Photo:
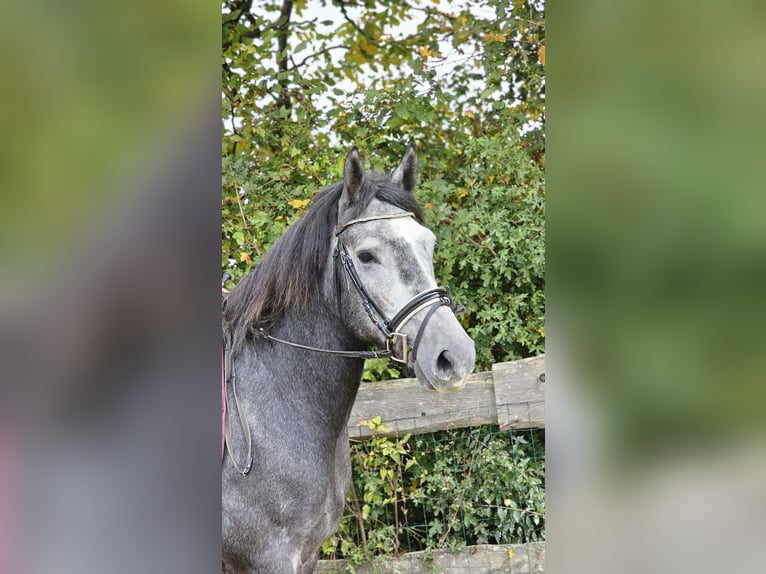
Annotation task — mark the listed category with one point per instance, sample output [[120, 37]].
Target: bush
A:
[[408, 495], [488, 215]]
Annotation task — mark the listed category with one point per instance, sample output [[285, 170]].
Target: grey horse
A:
[[355, 271]]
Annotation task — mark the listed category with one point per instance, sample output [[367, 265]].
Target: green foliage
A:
[[446, 490], [253, 219], [489, 222], [299, 92], [379, 370]]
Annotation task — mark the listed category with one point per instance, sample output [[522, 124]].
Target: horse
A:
[[355, 271]]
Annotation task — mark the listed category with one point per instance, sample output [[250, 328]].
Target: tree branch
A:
[[350, 21], [230, 94], [479, 245], [243, 7], [283, 32], [316, 55]]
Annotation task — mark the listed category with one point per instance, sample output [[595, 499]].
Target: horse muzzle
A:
[[446, 355]]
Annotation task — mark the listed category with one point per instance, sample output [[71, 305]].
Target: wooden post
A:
[[520, 393]]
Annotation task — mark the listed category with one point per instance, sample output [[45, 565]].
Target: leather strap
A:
[[223, 400], [433, 298], [229, 375], [351, 354], [422, 328], [341, 227], [436, 296], [373, 311]]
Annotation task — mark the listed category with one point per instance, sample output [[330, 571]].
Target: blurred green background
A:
[[656, 212], [91, 95]]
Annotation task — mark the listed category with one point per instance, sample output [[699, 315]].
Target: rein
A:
[[380, 354], [229, 377]]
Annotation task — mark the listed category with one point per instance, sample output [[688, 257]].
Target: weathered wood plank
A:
[[406, 407], [482, 559], [520, 393], [512, 395]]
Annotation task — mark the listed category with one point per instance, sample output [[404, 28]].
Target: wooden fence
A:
[[480, 559], [511, 395]]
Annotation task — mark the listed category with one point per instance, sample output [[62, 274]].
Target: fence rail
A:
[[482, 559], [511, 395]]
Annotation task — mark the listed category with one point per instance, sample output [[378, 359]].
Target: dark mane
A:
[[290, 273]]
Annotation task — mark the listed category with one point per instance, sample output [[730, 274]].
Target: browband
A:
[[341, 227]]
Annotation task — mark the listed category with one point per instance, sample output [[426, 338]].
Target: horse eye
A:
[[366, 257]]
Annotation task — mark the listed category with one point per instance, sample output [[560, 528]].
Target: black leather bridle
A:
[[391, 328], [430, 299]]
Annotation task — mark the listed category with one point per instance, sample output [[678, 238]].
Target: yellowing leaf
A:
[[425, 52], [541, 54], [368, 48], [492, 37], [510, 553], [244, 256], [298, 203], [356, 57]]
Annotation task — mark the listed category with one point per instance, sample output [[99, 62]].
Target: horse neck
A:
[[325, 385]]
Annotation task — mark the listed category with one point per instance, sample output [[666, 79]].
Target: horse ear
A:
[[353, 177], [407, 172]]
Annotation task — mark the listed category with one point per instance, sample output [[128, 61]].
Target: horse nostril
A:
[[444, 365]]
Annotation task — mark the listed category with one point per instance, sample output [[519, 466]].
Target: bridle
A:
[[390, 328]]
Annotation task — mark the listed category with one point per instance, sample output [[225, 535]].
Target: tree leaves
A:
[[460, 86]]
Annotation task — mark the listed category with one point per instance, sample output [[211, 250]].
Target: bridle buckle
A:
[[391, 341]]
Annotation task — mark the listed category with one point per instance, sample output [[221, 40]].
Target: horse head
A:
[[384, 277]]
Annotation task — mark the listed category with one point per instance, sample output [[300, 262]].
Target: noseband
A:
[[390, 328]]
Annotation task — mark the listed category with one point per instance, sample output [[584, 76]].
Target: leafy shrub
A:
[[488, 215], [443, 490]]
